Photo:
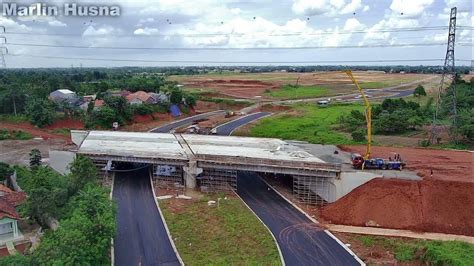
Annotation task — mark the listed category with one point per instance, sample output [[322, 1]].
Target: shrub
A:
[[142, 109], [449, 253], [358, 135]]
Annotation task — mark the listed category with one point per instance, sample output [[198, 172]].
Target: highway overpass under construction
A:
[[211, 163]]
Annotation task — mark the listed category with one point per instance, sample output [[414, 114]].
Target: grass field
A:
[[422, 251], [291, 92], [308, 123], [226, 235]]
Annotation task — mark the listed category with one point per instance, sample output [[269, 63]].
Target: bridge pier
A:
[[190, 173]]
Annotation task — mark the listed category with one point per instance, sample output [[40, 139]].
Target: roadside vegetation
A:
[[225, 101], [14, 134], [421, 251], [393, 116], [307, 122], [85, 214], [290, 91], [227, 234], [398, 116]]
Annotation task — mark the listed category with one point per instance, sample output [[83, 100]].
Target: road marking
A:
[[112, 250], [315, 221], [164, 223], [273, 236]]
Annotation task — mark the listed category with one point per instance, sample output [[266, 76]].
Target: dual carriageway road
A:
[[143, 240]]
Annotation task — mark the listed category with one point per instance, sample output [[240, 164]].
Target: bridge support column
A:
[[190, 173]]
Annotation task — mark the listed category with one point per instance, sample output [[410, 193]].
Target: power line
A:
[[237, 34], [230, 48], [231, 62]]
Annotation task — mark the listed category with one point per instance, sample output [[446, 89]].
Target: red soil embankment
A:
[[151, 117], [445, 164], [67, 123], [36, 132], [427, 205]]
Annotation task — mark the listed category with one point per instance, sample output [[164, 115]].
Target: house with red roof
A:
[[9, 216]]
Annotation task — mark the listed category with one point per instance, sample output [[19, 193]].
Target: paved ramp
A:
[[227, 128], [186, 121], [141, 237], [301, 241]]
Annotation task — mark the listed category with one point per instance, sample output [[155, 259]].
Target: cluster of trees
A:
[[397, 115], [391, 117], [86, 215], [25, 92], [115, 109], [5, 171], [465, 108]]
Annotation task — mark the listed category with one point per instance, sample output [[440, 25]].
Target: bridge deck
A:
[[209, 150]]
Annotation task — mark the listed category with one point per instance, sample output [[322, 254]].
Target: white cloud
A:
[[366, 8], [410, 8], [352, 7], [57, 23], [338, 3], [388, 23], [146, 20], [327, 7], [104, 30], [462, 5], [146, 31], [12, 25], [310, 7], [353, 24]]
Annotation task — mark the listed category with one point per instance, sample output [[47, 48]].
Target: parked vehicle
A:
[[359, 162]]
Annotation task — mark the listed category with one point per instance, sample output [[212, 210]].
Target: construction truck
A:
[[359, 162], [365, 162]]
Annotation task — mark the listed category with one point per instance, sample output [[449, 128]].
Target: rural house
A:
[[64, 95], [9, 216], [140, 97]]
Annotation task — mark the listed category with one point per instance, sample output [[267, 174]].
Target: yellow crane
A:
[[368, 114]]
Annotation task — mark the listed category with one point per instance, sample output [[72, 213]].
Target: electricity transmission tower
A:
[[448, 81], [3, 49]]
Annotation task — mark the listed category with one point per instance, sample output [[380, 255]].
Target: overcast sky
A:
[[250, 23]]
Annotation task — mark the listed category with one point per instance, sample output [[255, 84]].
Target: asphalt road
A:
[[301, 241], [186, 121], [227, 128], [141, 237]]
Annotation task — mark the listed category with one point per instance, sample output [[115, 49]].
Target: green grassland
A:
[[307, 122], [226, 235], [14, 134], [300, 92], [426, 251]]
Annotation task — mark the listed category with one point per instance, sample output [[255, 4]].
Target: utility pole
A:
[[448, 78], [3, 49]]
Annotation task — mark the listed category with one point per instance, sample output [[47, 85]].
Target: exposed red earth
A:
[[440, 203], [427, 205], [446, 164]]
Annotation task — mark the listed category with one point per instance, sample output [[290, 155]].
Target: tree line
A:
[[86, 214], [397, 116]]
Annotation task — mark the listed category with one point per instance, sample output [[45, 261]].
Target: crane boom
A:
[[368, 114]]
